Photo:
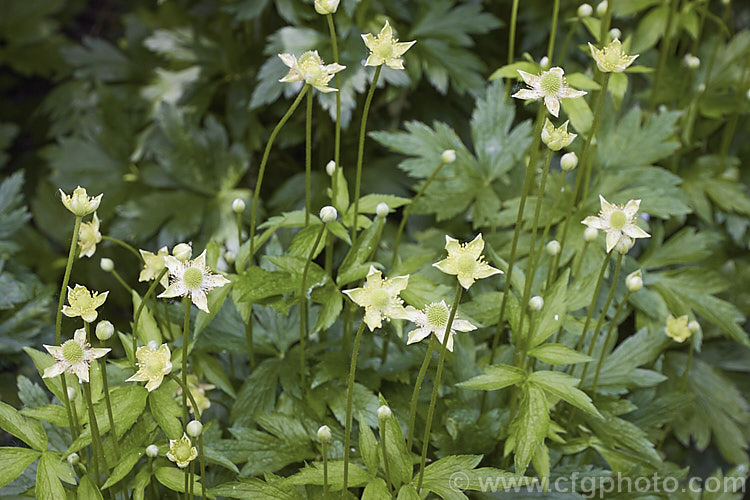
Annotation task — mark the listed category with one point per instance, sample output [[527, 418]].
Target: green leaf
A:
[[495, 377], [258, 393], [174, 479], [368, 448], [48, 485], [399, 458], [332, 303], [375, 490], [313, 474], [303, 241], [369, 203], [26, 429], [87, 490], [148, 330], [123, 467], [558, 354], [408, 492], [275, 488], [166, 410], [54, 414], [215, 373], [438, 474], [256, 284], [529, 428], [214, 457], [563, 386], [13, 461], [354, 265]]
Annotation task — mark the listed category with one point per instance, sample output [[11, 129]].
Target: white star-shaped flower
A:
[[611, 59], [384, 49], [550, 86], [618, 221], [89, 236], [434, 319], [380, 298], [465, 260], [153, 365], [310, 69], [191, 277], [73, 356]]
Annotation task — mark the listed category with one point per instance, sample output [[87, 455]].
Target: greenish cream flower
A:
[[677, 328], [380, 298], [153, 365], [193, 278], [181, 451], [557, 138], [79, 202], [618, 221], [89, 236], [433, 319], [73, 356], [550, 86], [310, 69], [465, 260], [153, 264], [611, 59], [384, 49], [83, 303]]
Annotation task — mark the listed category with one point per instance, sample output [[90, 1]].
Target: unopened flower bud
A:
[[104, 330], [152, 451], [691, 62], [553, 247], [634, 281], [725, 2], [590, 234], [601, 9], [747, 94], [569, 161], [229, 256], [694, 327], [73, 459], [624, 245], [382, 209], [72, 393], [325, 7], [331, 168], [585, 10], [182, 251], [238, 206], [536, 303], [153, 345], [615, 34], [448, 156], [107, 265], [328, 214], [544, 63], [384, 413], [194, 428], [702, 87], [324, 434]]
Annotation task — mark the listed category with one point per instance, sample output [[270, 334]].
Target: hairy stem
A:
[[349, 400]]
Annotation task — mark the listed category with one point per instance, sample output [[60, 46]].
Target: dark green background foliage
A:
[[165, 108]]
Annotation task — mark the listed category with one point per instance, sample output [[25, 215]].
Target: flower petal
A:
[[95, 352], [553, 105], [373, 319], [417, 335], [528, 78], [635, 232], [200, 300], [612, 238], [594, 222], [527, 94], [55, 370], [462, 325], [174, 290]]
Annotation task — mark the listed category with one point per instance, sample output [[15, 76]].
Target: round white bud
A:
[[615, 33], [325, 7], [725, 2], [72, 393], [694, 327], [702, 87], [194, 428], [590, 234], [229, 256], [382, 209], [238, 206], [331, 168], [625, 244], [107, 265], [747, 94], [153, 345], [634, 281], [536, 303], [182, 251], [152, 451], [585, 10], [384, 413], [324, 434], [328, 214], [691, 62], [448, 156], [553, 247], [73, 459], [544, 63], [569, 161], [601, 9], [104, 330]]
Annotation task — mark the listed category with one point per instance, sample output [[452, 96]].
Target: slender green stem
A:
[[586, 157], [592, 306], [58, 318], [124, 245], [436, 384], [238, 218], [192, 479], [202, 461], [577, 267], [553, 31], [187, 483], [264, 161], [186, 393], [185, 342], [605, 23], [528, 181], [337, 77], [105, 387], [325, 470], [607, 340], [666, 46], [303, 333], [512, 40], [527, 340], [249, 339], [96, 437], [122, 281], [349, 396], [387, 467], [361, 149], [407, 210], [308, 157], [683, 382], [566, 42], [415, 392], [138, 311], [603, 314]]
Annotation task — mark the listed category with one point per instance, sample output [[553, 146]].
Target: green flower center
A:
[[313, 72], [551, 83], [380, 298], [182, 450], [611, 57], [192, 277], [618, 220], [465, 264], [384, 50], [81, 301], [437, 315], [154, 366], [72, 352]]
